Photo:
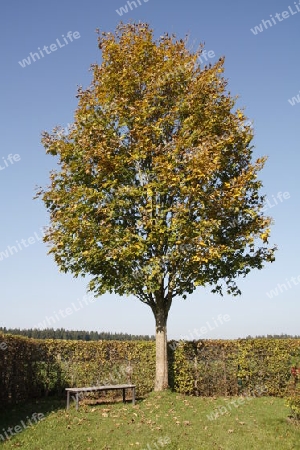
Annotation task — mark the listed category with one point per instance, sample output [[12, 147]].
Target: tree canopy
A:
[[156, 191]]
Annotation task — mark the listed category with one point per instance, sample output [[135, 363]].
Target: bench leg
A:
[[133, 396], [123, 395], [68, 399], [77, 401]]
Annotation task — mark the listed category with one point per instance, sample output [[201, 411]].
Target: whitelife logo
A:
[[203, 330], [24, 243], [9, 160], [221, 410], [284, 15], [124, 9], [53, 47], [63, 313], [292, 101], [274, 201], [18, 428], [3, 345], [283, 287]]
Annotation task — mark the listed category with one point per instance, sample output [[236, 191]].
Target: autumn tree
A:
[[156, 192]]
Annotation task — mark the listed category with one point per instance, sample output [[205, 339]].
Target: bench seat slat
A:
[[107, 387]]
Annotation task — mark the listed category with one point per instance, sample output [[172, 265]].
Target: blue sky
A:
[[262, 68]]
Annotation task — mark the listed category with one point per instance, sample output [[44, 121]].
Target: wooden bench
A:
[[109, 387]]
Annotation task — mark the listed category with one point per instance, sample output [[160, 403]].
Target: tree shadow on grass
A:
[[28, 412]]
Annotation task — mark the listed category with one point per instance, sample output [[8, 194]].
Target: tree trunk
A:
[[161, 379]]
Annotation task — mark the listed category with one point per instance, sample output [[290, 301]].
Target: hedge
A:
[[219, 367], [32, 368]]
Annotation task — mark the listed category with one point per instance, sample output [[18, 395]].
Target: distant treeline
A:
[[81, 335], [274, 336], [78, 335]]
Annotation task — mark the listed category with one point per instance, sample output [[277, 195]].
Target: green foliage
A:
[[218, 367], [293, 400], [183, 382], [157, 191], [206, 368], [295, 359], [77, 335], [32, 368], [293, 387], [274, 336], [265, 362]]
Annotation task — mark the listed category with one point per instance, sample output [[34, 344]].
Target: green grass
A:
[[259, 424]]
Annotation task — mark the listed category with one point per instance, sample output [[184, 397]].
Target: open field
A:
[[161, 420]]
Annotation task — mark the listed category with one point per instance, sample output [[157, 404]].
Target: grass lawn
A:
[[167, 420]]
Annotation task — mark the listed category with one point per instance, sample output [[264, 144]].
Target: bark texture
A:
[[161, 378]]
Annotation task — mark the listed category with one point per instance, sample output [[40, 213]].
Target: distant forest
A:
[[78, 335], [274, 336]]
